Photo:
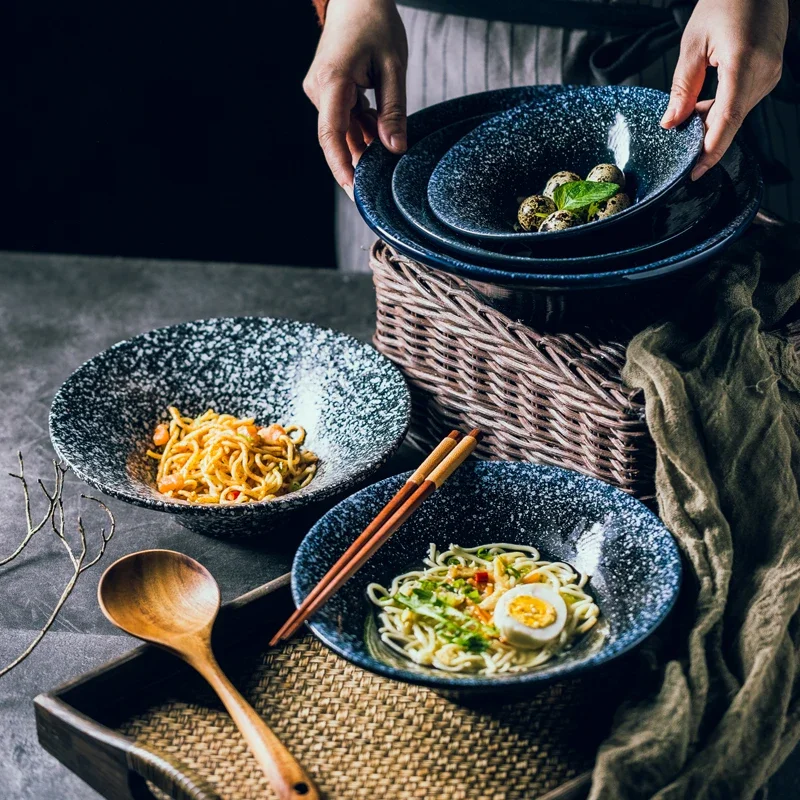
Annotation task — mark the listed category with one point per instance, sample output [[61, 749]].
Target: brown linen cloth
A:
[[723, 405]]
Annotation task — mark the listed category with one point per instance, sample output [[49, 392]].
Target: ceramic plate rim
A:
[[418, 126]]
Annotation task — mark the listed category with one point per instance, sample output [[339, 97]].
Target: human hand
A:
[[363, 46], [744, 40]]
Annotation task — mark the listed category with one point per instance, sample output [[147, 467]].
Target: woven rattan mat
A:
[[361, 735]]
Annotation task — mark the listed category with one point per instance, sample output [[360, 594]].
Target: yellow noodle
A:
[[208, 460]]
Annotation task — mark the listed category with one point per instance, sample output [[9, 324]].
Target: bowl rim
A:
[[445, 681], [472, 248], [693, 128], [295, 500], [412, 246]]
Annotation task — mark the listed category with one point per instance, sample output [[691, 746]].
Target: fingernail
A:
[[398, 141], [669, 115], [699, 171], [349, 189]]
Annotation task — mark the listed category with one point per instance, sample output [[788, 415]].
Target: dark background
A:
[[167, 131]]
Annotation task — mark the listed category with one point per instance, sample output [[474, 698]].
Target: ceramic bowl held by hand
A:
[[353, 403], [538, 293], [675, 220], [475, 188]]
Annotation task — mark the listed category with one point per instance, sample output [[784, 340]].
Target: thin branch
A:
[[32, 529], [104, 538], [51, 619], [57, 519]]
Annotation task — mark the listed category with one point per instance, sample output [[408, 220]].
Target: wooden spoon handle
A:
[[288, 779]]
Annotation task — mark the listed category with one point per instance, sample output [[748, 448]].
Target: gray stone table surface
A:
[[56, 312]]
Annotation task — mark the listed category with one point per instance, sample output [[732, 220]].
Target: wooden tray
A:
[[144, 725]]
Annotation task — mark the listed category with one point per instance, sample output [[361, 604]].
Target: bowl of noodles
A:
[[231, 424], [510, 577]]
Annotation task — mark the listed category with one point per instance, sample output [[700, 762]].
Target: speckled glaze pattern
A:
[[632, 559], [352, 401], [373, 195], [474, 187], [680, 217]]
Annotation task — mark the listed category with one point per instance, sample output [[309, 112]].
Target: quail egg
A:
[[619, 202], [559, 221], [607, 173], [557, 180], [533, 210], [530, 615]]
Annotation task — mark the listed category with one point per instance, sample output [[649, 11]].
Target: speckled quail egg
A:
[[530, 615], [557, 180], [607, 173], [619, 202], [559, 221], [533, 210]]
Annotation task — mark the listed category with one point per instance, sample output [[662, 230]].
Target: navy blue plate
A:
[[678, 218], [373, 195], [353, 402], [474, 187], [631, 557]]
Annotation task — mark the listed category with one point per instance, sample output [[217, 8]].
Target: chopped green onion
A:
[[452, 618], [472, 642], [451, 599]]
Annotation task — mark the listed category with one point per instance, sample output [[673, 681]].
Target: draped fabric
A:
[[722, 397]]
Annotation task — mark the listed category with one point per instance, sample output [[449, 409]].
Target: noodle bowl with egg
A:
[[485, 610]]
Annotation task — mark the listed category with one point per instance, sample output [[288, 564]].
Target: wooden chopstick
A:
[[435, 479], [409, 487]]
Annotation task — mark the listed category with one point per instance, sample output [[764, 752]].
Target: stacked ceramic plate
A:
[[451, 202]]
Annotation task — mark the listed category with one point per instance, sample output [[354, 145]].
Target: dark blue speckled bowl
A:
[[634, 563], [473, 189], [678, 219], [353, 402], [373, 195]]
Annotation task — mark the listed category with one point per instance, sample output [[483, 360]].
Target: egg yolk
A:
[[532, 611]]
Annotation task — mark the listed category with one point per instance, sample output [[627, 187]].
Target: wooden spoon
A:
[[171, 600]]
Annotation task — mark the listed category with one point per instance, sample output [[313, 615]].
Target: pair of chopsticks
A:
[[446, 458]]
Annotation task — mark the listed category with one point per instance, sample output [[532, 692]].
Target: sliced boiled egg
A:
[[531, 615]]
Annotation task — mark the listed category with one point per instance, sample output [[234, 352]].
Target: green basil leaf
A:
[[576, 195]]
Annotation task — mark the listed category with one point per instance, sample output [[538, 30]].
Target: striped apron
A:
[[451, 55]]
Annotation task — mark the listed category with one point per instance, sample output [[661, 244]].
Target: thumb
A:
[[687, 82], [390, 96]]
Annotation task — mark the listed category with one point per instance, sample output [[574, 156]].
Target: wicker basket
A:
[[555, 398]]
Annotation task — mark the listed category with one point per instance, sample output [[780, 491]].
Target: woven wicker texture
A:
[[555, 398], [364, 736]]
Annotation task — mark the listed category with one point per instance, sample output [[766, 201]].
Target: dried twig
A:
[[57, 518], [34, 529]]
